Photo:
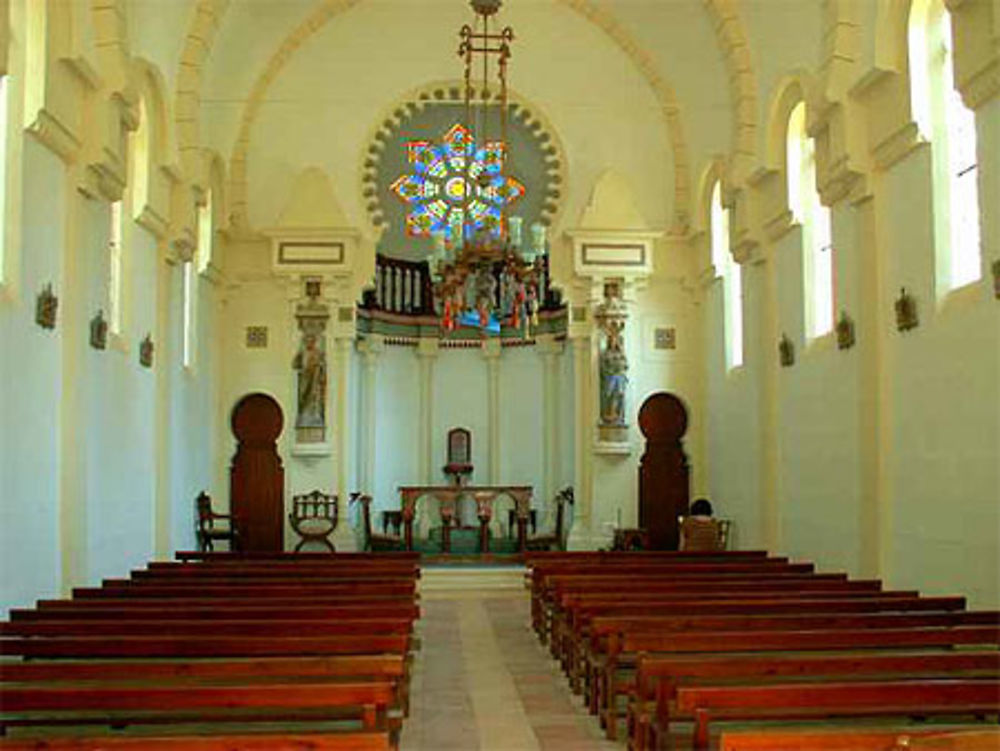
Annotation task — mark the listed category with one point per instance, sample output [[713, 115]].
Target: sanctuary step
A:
[[447, 578]]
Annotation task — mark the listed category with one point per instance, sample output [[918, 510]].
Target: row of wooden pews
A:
[[659, 638], [217, 651]]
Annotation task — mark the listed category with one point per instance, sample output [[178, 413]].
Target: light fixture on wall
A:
[[483, 274]]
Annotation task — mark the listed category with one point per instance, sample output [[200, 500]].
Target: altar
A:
[[448, 497]]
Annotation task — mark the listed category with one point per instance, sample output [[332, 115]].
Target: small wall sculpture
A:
[[613, 364], [311, 365], [46, 307], [906, 311]]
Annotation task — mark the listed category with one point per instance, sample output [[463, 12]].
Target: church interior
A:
[[480, 292]]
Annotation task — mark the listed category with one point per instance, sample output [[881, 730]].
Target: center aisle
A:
[[481, 680]]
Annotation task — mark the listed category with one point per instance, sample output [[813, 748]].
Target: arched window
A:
[[188, 293], [950, 126], [116, 241], [206, 232], [805, 205], [3, 177], [732, 280]]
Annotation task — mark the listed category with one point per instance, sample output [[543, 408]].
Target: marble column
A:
[[583, 361], [491, 353], [370, 348], [343, 536], [427, 351], [550, 350]]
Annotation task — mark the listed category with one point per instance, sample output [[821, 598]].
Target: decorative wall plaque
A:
[[786, 351], [345, 314], [665, 338], [845, 331], [99, 331], [256, 337], [146, 352], [46, 307], [906, 311], [995, 267]]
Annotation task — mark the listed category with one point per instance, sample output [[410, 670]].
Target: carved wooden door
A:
[[257, 478], [663, 469]]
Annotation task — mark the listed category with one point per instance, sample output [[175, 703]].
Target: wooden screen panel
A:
[[257, 478]]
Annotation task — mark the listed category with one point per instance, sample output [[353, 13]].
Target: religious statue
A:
[[613, 369], [612, 364], [310, 364]]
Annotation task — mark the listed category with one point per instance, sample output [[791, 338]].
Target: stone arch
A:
[[197, 45], [717, 170], [396, 113], [151, 147], [600, 17], [214, 179], [111, 40], [735, 47], [796, 87], [891, 23]]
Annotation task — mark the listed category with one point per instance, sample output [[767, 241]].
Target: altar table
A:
[[484, 496]]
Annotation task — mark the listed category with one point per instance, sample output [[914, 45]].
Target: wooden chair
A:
[[556, 539], [704, 534], [374, 542], [208, 532], [314, 517]]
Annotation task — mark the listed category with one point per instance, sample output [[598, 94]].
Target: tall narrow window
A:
[[188, 302], [206, 232], [732, 281], [115, 250], [943, 118], [3, 176], [817, 237]]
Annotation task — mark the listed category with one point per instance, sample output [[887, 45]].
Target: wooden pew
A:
[[365, 741], [630, 644], [125, 588], [386, 667], [825, 700], [601, 629], [303, 556], [209, 645], [657, 677], [362, 610], [898, 739], [246, 627], [125, 601], [119, 705]]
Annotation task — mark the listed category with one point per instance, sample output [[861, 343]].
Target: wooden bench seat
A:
[[361, 610], [896, 739], [82, 647], [826, 700], [364, 741], [120, 705], [657, 677], [127, 602], [126, 588], [247, 627], [589, 653], [303, 556], [624, 648]]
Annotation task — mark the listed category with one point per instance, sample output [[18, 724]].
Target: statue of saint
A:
[[613, 367], [311, 364]]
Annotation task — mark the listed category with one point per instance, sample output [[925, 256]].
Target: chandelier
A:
[[483, 275]]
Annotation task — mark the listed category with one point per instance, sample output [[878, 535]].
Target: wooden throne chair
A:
[[556, 540], [314, 517], [208, 531], [374, 542]]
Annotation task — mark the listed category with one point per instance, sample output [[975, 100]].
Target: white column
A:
[[371, 347], [550, 349], [427, 350], [583, 357], [343, 537], [491, 352]]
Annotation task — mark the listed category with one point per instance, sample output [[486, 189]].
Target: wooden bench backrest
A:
[[681, 606], [363, 741], [911, 739], [272, 628], [361, 610]]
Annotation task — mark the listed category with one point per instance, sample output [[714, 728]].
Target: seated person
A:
[[699, 531]]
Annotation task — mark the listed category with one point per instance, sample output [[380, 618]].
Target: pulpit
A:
[[663, 470]]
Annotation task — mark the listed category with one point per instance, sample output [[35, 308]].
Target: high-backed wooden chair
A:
[[207, 530], [374, 542], [699, 533], [314, 517], [556, 539]]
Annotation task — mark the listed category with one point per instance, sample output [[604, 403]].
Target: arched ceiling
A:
[[699, 59]]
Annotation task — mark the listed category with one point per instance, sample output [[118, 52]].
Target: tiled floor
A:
[[482, 682]]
